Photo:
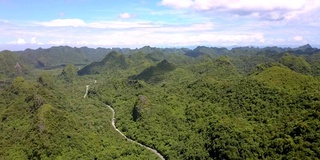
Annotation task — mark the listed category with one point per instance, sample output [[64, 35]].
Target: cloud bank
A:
[[182, 23], [62, 23], [269, 10], [77, 32]]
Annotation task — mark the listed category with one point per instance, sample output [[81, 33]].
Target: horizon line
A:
[[191, 47]]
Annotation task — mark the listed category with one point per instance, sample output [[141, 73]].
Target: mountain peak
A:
[[165, 65], [155, 73], [113, 61], [304, 47]]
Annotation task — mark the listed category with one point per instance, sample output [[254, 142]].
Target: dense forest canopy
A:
[[202, 103]]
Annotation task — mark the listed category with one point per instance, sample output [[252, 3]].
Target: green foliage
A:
[[314, 61], [247, 63], [69, 73], [239, 105], [12, 65], [295, 63], [142, 105], [220, 68], [38, 122], [284, 78], [155, 74], [210, 51], [112, 61], [47, 80], [208, 110], [138, 61]]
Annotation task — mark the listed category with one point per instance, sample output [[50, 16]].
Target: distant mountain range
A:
[[102, 59], [62, 55]]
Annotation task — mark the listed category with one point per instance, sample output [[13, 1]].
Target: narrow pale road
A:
[[128, 139]]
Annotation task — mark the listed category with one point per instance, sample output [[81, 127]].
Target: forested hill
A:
[[12, 65], [204, 103]]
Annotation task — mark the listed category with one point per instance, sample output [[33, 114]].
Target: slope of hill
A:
[[112, 61], [12, 65], [219, 68], [295, 63], [155, 74], [284, 78], [314, 61], [43, 122], [138, 61]]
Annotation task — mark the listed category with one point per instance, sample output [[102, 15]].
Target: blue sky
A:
[[160, 23]]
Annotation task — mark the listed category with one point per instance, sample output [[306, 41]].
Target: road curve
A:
[[128, 139]]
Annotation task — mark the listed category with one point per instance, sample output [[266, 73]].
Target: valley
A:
[[201, 103]]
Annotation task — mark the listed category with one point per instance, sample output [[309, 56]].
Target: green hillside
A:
[[12, 65], [156, 73], [297, 64], [242, 103], [284, 78], [40, 122], [112, 61]]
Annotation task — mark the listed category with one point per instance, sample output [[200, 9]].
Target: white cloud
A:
[[58, 42], [126, 16], [177, 4], [33, 40], [140, 33], [96, 24], [18, 41], [21, 41], [63, 23], [185, 28], [120, 24], [232, 38], [297, 38], [271, 9], [238, 5]]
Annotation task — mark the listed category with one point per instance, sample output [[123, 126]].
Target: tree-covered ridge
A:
[[13, 65], [156, 73], [242, 103], [214, 109], [217, 119], [112, 61], [284, 78], [39, 121]]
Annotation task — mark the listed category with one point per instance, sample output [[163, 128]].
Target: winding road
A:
[[128, 139]]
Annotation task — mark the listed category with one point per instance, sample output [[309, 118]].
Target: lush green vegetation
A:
[[12, 65], [206, 103]]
